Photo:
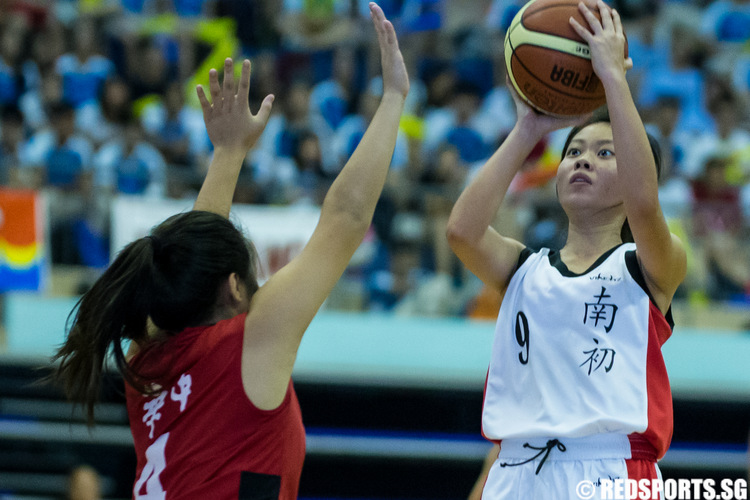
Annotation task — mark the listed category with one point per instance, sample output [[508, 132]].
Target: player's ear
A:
[[235, 286]]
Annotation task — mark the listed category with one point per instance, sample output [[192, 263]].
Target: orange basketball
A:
[[548, 63]]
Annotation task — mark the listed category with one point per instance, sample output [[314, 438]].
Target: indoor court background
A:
[[391, 372]]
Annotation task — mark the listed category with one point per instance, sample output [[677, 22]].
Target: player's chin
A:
[[578, 197]]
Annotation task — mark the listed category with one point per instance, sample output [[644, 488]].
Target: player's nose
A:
[[582, 163]]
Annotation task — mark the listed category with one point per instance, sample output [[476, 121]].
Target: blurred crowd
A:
[[97, 100]]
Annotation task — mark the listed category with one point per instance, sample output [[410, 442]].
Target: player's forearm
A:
[[637, 175], [479, 203], [218, 187], [356, 190]]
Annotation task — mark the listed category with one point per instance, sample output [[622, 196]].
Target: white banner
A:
[[278, 233]]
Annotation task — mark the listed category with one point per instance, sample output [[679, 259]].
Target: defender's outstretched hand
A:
[[228, 119], [275, 324], [395, 78], [233, 130]]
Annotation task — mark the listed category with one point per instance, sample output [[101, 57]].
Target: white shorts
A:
[[564, 469]]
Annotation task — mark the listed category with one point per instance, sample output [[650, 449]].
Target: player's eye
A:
[[606, 153], [574, 152]]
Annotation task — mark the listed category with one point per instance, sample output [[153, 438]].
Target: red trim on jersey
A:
[[643, 469], [660, 415], [641, 448]]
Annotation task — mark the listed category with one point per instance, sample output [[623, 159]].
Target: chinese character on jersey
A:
[[184, 384], [152, 412], [600, 311], [598, 356]]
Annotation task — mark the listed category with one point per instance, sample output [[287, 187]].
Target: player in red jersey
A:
[[211, 403]]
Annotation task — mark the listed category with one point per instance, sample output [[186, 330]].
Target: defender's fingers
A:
[[205, 105], [265, 108], [243, 91], [376, 13], [228, 86], [390, 33], [383, 27], [214, 87]]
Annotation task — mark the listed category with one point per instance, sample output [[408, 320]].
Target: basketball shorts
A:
[[588, 468]]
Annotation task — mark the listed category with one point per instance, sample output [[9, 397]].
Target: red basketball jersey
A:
[[201, 436]]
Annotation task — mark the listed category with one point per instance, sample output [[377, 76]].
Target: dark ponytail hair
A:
[[601, 115], [172, 277]]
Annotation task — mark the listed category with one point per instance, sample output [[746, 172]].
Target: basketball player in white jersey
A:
[[577, 392]]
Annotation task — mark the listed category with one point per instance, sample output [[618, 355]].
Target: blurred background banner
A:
[[278, 233], [23, 258]]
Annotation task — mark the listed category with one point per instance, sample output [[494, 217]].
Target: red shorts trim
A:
[[643, 469]]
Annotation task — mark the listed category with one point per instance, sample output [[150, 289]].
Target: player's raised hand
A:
[[395, 77], [537, 123], [606, 40], [228, 119]]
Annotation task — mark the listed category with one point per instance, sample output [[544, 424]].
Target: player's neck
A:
[[586, 243]]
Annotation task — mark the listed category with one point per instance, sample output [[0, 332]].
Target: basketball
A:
[[548, 64]]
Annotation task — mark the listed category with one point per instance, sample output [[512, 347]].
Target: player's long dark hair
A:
[[601, 115], [172, 277]]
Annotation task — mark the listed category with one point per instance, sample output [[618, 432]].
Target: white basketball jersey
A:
[[577, 354]]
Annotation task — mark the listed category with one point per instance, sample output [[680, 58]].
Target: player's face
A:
[[587, 175]]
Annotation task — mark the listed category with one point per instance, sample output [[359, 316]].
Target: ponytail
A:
[[170, 279], [114, 309]]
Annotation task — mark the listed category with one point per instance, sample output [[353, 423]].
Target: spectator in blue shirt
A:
[[130, 164], [83, 70], [176, 128], [57, 153], [12, 35]]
